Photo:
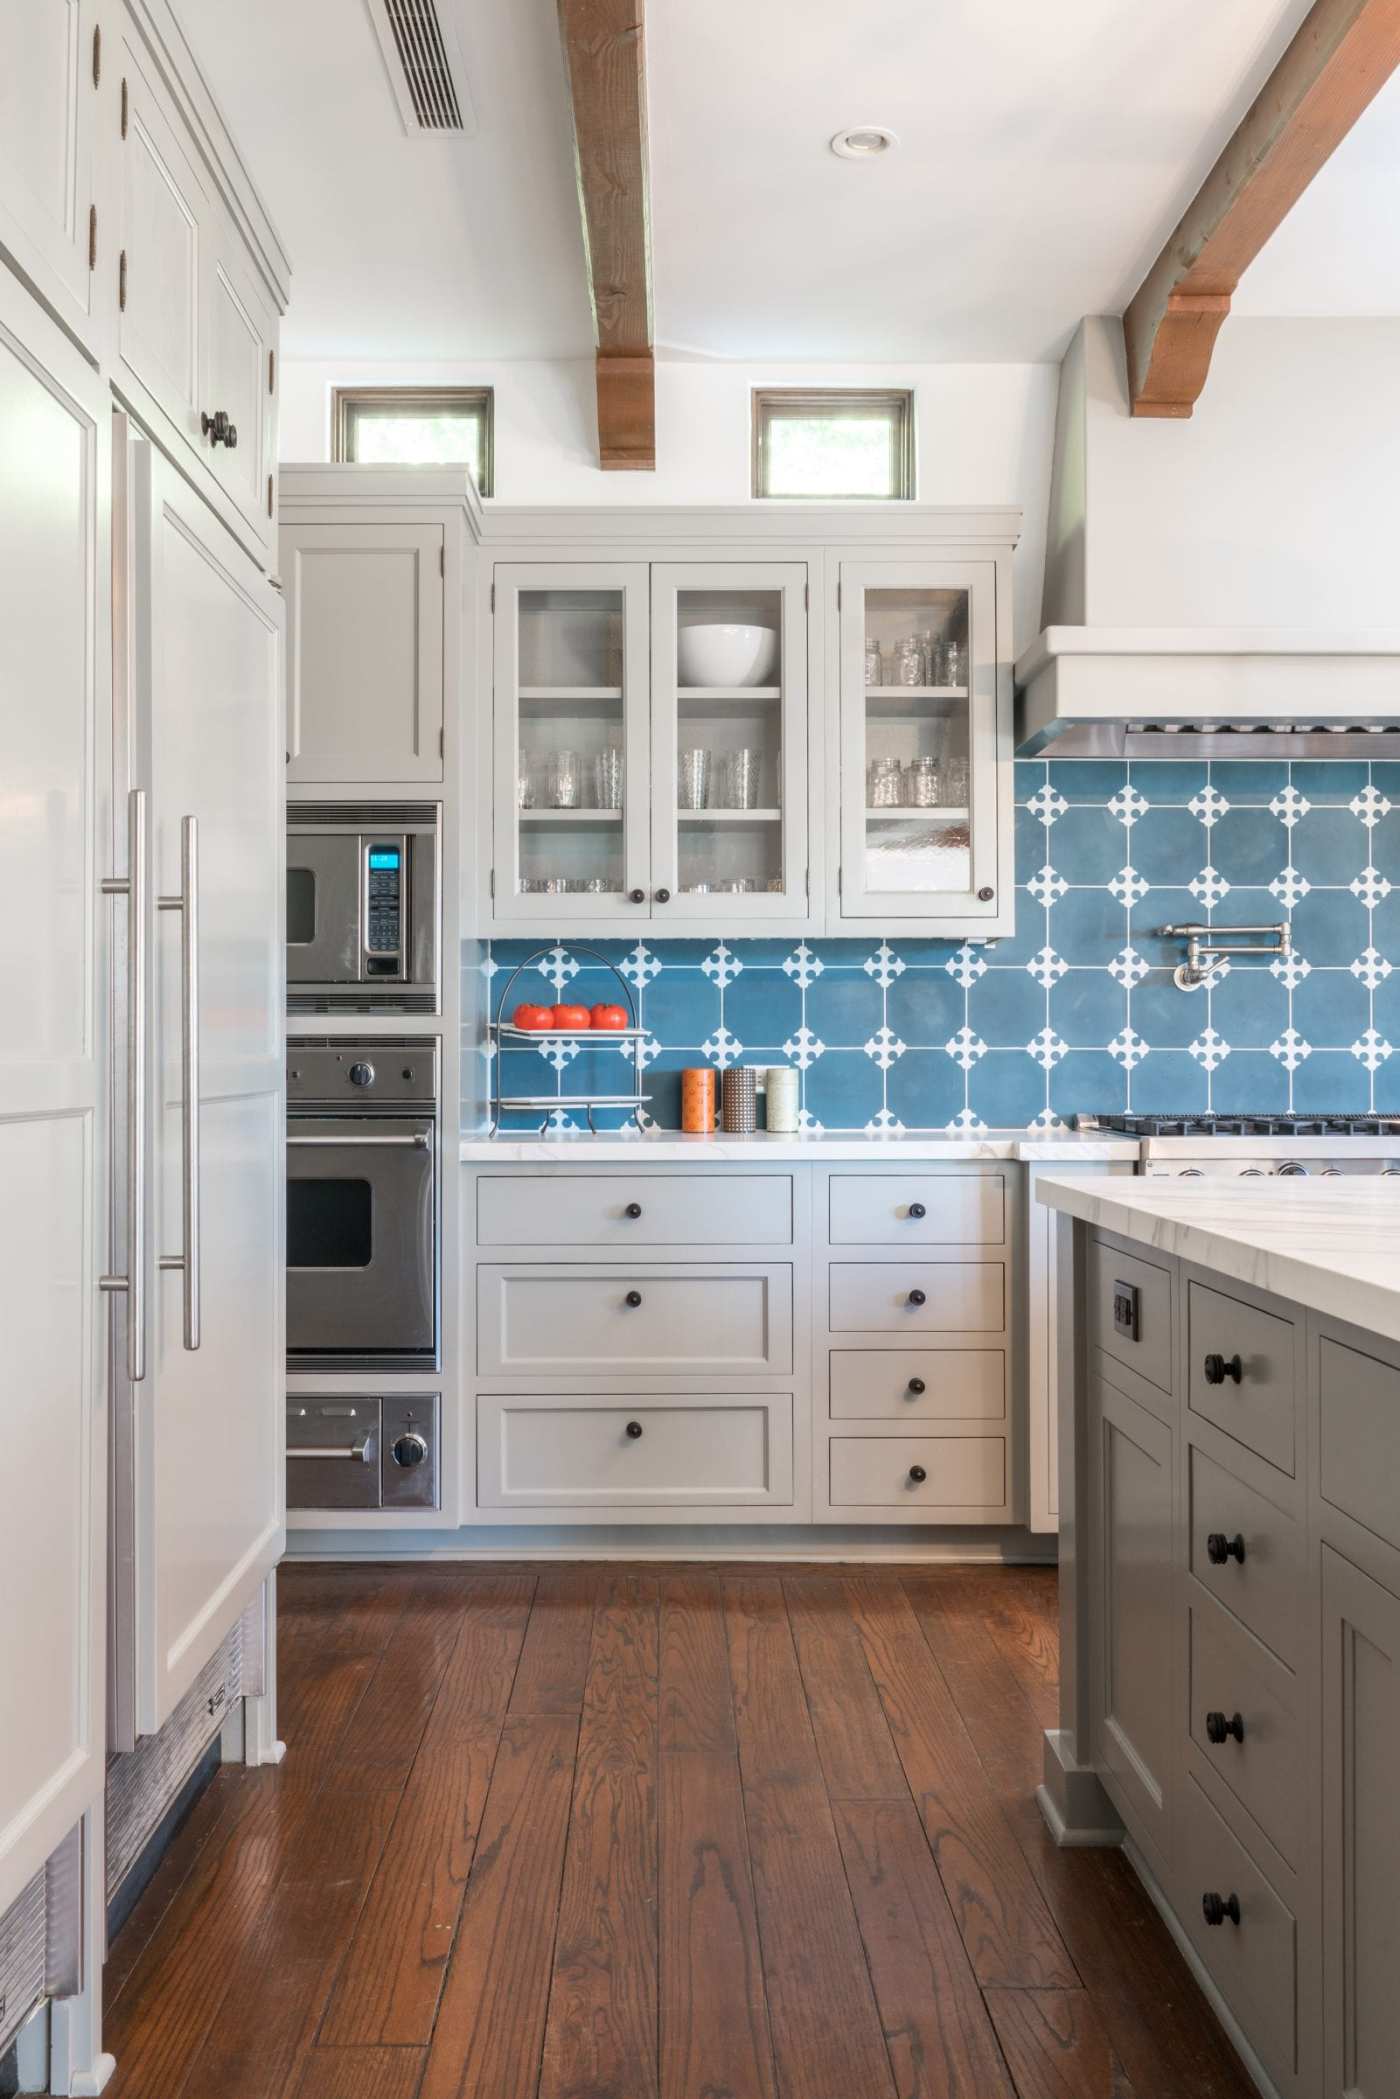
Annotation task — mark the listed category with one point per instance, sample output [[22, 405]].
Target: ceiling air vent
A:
[[424, 67]]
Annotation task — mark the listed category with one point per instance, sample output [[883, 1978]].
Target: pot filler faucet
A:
[[1207, 947]]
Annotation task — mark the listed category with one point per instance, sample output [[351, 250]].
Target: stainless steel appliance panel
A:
[[361, 1235], [363, 906], [359, 1451]]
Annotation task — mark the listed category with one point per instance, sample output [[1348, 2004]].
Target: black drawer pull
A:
[[1219, 1548], [1218, 1368], [917, 1474], [917, 1210], [1219, 1729], [636, 896], [634, 1298], [634, 1429], [633, 1210], [917, 1297], [1216, 1908], [917, 1387]]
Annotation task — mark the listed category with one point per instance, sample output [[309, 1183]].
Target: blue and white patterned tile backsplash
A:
[[1078, 1012]]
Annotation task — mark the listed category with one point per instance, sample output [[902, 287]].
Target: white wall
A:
[[1274, 504], [984, 434]]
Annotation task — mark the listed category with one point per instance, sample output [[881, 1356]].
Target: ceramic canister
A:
[[699, 1095], [739, 1101], [780, 1088]]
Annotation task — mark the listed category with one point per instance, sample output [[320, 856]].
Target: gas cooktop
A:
[[1344, 1125]]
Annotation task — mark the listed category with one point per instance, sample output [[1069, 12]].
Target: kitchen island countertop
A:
[[1333, 1246], [829, 1147]]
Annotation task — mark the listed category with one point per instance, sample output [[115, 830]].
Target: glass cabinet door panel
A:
[[919, 720], [571, 742], [729, 741]]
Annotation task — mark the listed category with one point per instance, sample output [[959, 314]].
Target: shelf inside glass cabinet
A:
[[917, 742]]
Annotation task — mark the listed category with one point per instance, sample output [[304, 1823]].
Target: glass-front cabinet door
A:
[[572, 751], [922, 721], [729, 742]]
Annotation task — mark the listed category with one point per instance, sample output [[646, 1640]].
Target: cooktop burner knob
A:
[[1292, 1166], [410, 1449], [361, 1074]]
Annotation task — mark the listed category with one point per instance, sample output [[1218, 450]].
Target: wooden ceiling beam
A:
[[605, 63], [1339, 60]]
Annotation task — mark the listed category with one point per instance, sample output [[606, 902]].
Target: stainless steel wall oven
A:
[[362, 1205], [363, 907]]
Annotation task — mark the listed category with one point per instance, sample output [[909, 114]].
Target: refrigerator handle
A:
[[187, 904], [132, 886]]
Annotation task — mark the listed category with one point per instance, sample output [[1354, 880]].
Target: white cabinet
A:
[[924, 785], [166, 230], [1360, 1832], [240, 367], [48, 119], [652, 755], [205, 657], [365, 642], [54, 477]]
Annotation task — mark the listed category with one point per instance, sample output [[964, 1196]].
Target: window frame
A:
[[348, 402], [834, 401]]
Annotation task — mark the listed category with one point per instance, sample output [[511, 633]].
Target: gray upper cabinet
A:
[[364, 652], [48, 116]]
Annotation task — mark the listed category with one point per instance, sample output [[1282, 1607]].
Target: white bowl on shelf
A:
[[727, 654]]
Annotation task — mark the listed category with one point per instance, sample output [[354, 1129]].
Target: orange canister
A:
[[699, 1099]]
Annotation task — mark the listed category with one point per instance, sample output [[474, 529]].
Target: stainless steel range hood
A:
[[1225, 692]]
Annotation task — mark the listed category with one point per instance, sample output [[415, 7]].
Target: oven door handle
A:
[[359, 1449], [419, 1141]]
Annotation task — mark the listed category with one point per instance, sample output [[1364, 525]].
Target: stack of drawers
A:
[[639, 1337], [1248, 1634], [913, 1313]]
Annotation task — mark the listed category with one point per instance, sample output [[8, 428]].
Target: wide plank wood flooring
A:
[[653, 1832]]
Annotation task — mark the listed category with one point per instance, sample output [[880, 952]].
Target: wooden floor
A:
[[653, 1833]]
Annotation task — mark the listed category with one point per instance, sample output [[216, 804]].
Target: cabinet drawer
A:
[[675, 1209], [918, 1297], [918, 1384], [1231, 1677], [1265, 1589], [1255, 1961], [1138, 1333], [1359, 1437], [573, 1451], [644, 1320], [1257, 1408], [910, 1209], [880, 1472]]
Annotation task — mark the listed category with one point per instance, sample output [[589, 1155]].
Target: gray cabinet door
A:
[[1361, 1832], [1131, 1490], [364, 652]]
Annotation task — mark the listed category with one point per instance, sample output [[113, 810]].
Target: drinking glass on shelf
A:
[[922, 785], [954, 667], [527, 791], [908, 661], [743, 775], [955, 782], [873, 675], [693, 779], [882, 783], [564, 780], [607, 779]]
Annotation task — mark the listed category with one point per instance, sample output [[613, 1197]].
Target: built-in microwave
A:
[[363, 907]]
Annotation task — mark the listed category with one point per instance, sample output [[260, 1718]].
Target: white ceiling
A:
[[1046, 152]]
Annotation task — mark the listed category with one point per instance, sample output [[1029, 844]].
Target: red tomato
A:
[[528, 1016], [571, 1017], [609, 1016]]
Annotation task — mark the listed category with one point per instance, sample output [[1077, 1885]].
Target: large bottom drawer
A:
[[927, 1475], [578, 1450]]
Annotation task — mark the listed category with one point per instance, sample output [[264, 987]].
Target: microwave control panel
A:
[[384, 868]]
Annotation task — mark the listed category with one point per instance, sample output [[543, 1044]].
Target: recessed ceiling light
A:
[[864, 141]]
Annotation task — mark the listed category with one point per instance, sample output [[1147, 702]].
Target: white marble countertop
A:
[[670, 1147], [1333, 1246]]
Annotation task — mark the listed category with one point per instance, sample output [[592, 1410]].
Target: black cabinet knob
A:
[[1219, 1729], [1219, 1548], [1218, 1368], [917, 1386], [634, 1298], [218, 429], [984, 896], [917, 1475], [634, 1429], [918, 1297], [636, 896], [1216, 1908], [917, 1210], [633, 1210], [663, 896]]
